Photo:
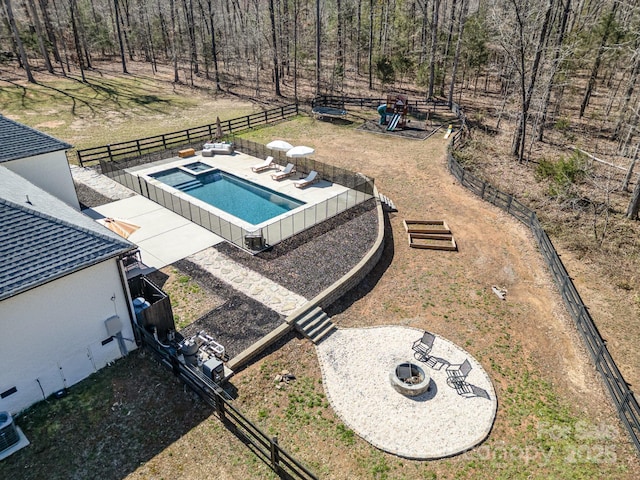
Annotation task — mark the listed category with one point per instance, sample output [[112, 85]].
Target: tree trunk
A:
[[423, 31], [340, 41], [634, 204], [463, 19], [214, 50], [116, 7], [39, 34], [163, 31], [14, 45], [174, 51], [276, 69], [51, 36], [286, 39], [189, 20], [295, 50], [126, 24], [149, 35], [358, 33], [448, 44], [554, 67], [434, 44], [627, 177], [19, 45], [82, 37], [318, 47], [521, 131], [633, 79], [370, 44], [609, 21], [76, 40]]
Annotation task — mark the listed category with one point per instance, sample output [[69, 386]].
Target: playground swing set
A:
[[393, 114]]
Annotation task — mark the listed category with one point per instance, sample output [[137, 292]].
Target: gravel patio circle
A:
[[356, 363]]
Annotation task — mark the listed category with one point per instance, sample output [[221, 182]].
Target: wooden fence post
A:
[[220, 406], [275, 455], [109, 152]]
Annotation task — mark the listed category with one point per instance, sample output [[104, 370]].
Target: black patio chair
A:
[[457, 377], [422, 347]]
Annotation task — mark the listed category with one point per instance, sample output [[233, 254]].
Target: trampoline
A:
[[328, 112]]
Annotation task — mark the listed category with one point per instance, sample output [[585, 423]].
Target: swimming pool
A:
[[242, 199]]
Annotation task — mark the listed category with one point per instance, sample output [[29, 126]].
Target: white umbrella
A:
[[300, 151], [280, 145]]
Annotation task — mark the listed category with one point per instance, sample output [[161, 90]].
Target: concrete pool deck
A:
[[164, 237], [239, 164]]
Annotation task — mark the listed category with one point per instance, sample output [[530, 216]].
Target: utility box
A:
[[213, 369], [254, 241]]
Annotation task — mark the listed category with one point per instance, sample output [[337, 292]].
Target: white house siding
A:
[[52, 335], [50, 172]]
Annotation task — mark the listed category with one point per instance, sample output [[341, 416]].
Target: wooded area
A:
[[545, 64]]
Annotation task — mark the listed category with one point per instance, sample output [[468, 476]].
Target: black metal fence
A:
[[174, 141], [623, 398], [341, 102], [264, 446]]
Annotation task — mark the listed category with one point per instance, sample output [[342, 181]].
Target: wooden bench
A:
[[188, 152]]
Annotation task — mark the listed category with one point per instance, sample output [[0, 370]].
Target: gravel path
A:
[[356, 364]]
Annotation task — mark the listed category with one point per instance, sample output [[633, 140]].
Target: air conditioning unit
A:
[[11, 437]]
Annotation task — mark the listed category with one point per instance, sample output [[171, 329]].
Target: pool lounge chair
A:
[[289, 170], [308, 180], [267, 164]]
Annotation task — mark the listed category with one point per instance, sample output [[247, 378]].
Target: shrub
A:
[[562, 173], [562, 124]]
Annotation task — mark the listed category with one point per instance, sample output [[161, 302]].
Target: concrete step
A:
[[320, 335], [387, 202], [315, 324], [309, 317]]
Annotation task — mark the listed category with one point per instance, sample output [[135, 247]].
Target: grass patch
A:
[[77, 112]]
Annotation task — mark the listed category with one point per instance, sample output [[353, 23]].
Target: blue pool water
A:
[[249, 202]]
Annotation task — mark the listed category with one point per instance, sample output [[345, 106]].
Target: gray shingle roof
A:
[[43, 238], [19, 141]]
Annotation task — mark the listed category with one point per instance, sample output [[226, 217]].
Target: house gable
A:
[[43, 238], [20, 141]]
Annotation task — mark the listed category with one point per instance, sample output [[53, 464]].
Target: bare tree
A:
[[39, 35], [318, 38], [607, 29], [116, 6], [276, 69], [18, 41], [463, 19], [76, 39], [634, 204], [434, 44]]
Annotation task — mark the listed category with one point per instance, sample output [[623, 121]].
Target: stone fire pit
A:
[[409, 379]]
